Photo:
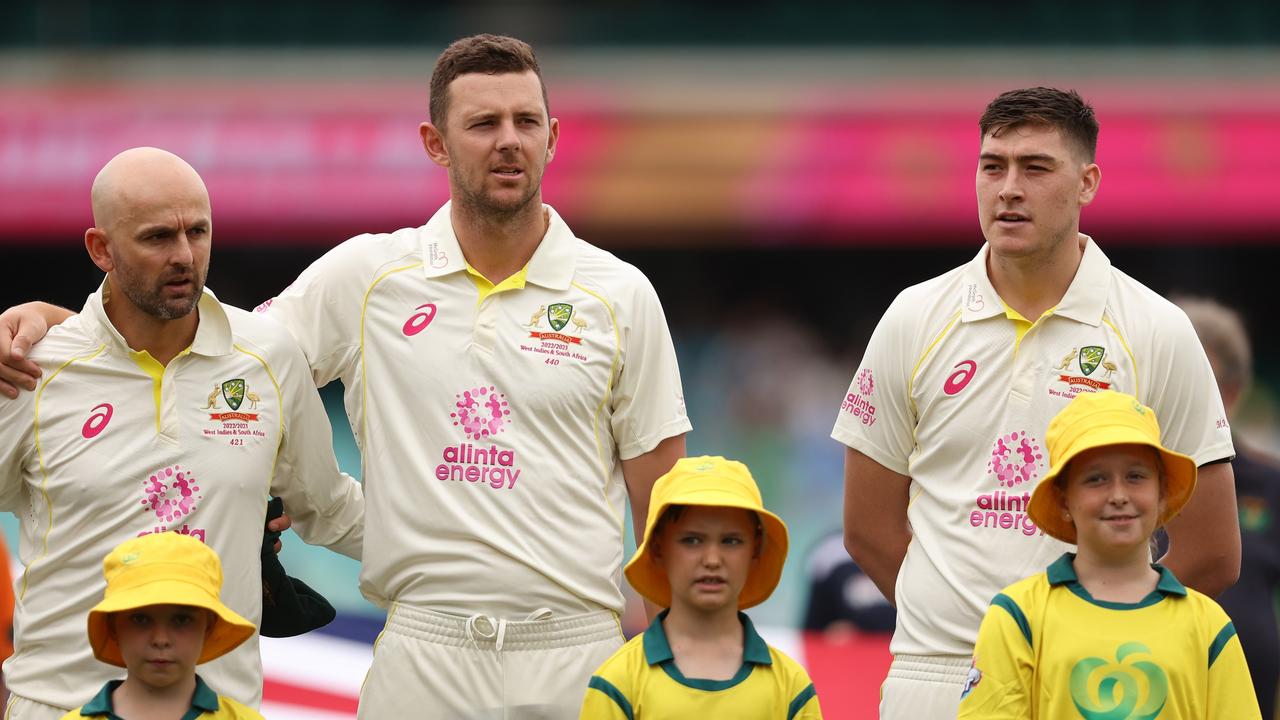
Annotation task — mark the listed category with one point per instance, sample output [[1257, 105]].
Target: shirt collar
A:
[[213, 333], [657, 649], [1085, 300], [1063, 572], [203, 699], [551, 266]]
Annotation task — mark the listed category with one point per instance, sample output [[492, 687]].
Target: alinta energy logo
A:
[[1016, 463], [858, 403], [1133, 687], [481, 413], [172, 494]]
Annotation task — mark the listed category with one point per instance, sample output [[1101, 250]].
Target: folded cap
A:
[[1099, 419], [710, 482], [165, 569]]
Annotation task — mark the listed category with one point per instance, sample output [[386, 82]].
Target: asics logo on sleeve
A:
[[97, 422]]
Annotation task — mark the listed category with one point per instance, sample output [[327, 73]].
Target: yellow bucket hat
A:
[[165, 569], [1099, 419], [711, 482]]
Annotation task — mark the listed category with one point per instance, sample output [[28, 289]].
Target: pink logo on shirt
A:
[[172, 493], [97, 422], [420, 320], [959, 379], [866, 383], [1016, 461], [481, 412]]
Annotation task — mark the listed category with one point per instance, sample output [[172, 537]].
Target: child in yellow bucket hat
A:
[[1104, 632], [710, 549], [161, 616]]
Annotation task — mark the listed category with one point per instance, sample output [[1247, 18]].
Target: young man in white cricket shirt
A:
[[159, 410], [510, 387], [944, 420]]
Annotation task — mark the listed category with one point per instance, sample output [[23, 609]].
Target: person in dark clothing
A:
[[1251, 601]]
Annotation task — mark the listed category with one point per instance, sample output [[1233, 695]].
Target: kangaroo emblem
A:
[[537, 316], [1066, 359], [213, 398]]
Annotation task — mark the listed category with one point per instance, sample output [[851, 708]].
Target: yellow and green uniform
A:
[[641, 682], [1047, 650], [205, 705]]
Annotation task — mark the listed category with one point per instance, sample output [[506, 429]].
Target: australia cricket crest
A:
[[558, 315], [233, 393], [1090, 358]]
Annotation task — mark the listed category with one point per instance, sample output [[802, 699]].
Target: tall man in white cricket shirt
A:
[[510, 388], [944, 421], [160, 410]]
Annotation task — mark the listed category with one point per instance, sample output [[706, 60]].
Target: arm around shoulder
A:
[[876, 532], [21, 327]]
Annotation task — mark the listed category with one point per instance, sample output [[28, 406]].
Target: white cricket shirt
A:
[[112, 445], [948, 395], [491, 427]]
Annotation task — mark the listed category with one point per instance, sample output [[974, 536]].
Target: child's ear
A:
[[211, 624]]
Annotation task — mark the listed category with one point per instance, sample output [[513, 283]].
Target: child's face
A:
[[707, 553], [161, 643], [1113, 496]]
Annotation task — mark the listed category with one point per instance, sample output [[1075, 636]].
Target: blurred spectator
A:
[[842, 599], [1251, 601]]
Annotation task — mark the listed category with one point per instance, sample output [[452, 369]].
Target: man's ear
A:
[[433, 143], [95, 241]]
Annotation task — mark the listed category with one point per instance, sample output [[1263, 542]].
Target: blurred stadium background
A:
[[779, 170]]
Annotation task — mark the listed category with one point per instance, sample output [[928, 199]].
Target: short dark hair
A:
[[1064, 110], [489, 54]]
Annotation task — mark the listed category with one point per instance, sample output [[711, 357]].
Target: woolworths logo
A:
[[1132, 688]]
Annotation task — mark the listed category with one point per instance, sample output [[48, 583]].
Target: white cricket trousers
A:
[[924, 687], [434, 666]]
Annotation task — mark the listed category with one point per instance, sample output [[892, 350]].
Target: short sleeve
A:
[[1182, 390], [605, 701], [648, 399], [876, 415], [1231, 694], [1000, 681]]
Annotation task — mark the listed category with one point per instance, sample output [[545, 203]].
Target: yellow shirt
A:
[[205, 705], [641, 682], [1048, 651]]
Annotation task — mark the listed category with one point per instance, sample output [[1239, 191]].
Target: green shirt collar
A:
[[202, 701], [658, 650], [1063, 572]]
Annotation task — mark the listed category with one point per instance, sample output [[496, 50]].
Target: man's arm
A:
[[1204, 539], [876, 532], [640, 473], [21, 327]]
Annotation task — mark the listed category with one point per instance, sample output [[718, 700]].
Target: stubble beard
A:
[[150, 298], [482, 205]]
